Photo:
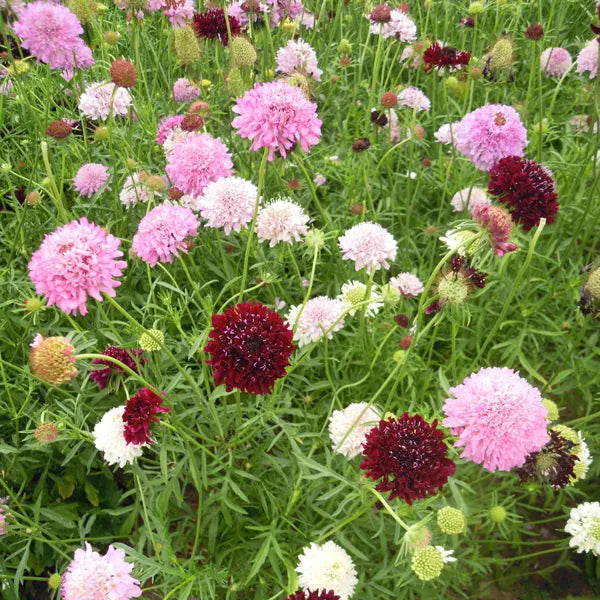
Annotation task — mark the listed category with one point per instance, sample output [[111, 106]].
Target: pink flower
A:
[[281, 221], [409, 285], [179, 12], [282, 9], [446, 134], [51, 33], [2, 516], [162, 233], [91, 576], [490, 133], [276, 115], [184, 91], [166, 125], [297, 55], [469, 197], [196, 161], [498, 417], [587, 59], [133, 191], [555, 62], [90, 178], [498, 223], [369, 245], [400, 26], [318, 316], [96, 101], [319, 179], [414, 98], [76, 261], [228, 203]]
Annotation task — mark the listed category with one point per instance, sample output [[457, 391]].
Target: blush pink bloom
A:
[[400, 26], [185, 91], [282, 9], [196, 161], [490, 133], [281, 221], [297, 55], [179, 12], [2, 516], [163, 233], [587, 59], [469, 198], [319, 315], [276, 115], [51, 32], [90, 178], [555, 62], [414, 98], [96, 101], [499, 418], [446, 134], [409, 285], [498, 224], [167, 125], [76, 261], [91, 576], [369, 245]]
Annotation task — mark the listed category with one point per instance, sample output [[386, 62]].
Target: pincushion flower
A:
[[498, 417], [163, 232], [102, 376], [446, 134], [90, 178], [555, 62], [2, 517], [498, 224], [179, 12], [276, 115], [166, 125], [91, 576], [134, 190], [469, 198], [211, 24], [109, 438], [184, 90], [584, 527], [77, 260], [250, 347], [587, 59], [444, 57], [98, 100], [369, 245], [327, 566], [408, 455], [490, 133], [319, 315], [52, 359], [297, 55], [349, 427], [414, 98], [400, 26], [355, 292], [427, 563], [140, 411], [196, 161], [281, 220], [409, 285]]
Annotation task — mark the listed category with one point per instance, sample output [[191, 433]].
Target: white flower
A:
[[584, 527], [37, 339], [327, 567], [174, 138], [348, 428], [369, 245], [585, 460], [446, 554], [319, 315], [109, 438], [458, 241], [281, 221], [133, 191], [354, 292]]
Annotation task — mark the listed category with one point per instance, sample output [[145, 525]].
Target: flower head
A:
[[587, 59], [348, 428], [369, 245], [320, 314], [584, 527], [52, 359], [427, 562], [414, 98], [134, 190], [184, 90], [211, 24], [399, 25], [151, 340], [166, 125], [140, 411], [90, 178], [297, 55], [451, 520], [179, 12], [59, 129], [555, 62], [109, 437], [100, 98], [46, 433], [469, 198], [444, 57], [409, 285], [281, 220], [355, 292], [498, 224], [102, 376], [123, 73], [446, 134]]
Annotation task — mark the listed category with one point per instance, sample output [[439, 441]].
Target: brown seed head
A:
[[192, 122], [389, 100], [382, 13], [122, 73], [59, 129]]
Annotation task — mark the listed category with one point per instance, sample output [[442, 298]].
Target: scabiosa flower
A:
[[163, 232], [297, 55], [52, 359], [281, 220], [490, 133], [451, 520], [123, 73], [46, 433], [446, 134], [103, 375], [444, 57], [499, 418], [151, 340], [587, 59], [427, 563], [400, 26], [59, 129], [308, 595], [348, 428], [250, 346], [97, 100], [211, 24], [185, 91], [196, 161], [134, 190], [320, 314], [91, 576], [555, 62], [179, 12], [469, 198], [276, 115], [355, 292], [382, 13], [369, 245], [140, 411], [109, 437], [90, 178], [527, 188], [51, 32], [584, 527], [166, 125], [414, 98], [76, 261], [498, 224], [327, 566], [409, 455]]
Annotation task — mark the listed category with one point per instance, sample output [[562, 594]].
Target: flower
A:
[[369, 245], [184, 90], [281, 220], [446, 134], [109, 437], [90, 178], [527, 188], [51, 32], [52, 359], [250, 347], [282, 9], [76, 261], [469, 198], [179, 12], [499, 418], [400, 26], [91, 576], [196, 161], [382, 13], [59, 129], [211, 24], [427, 563], [555, 62], [348, 428], [134, 190], [444, 57], [498, 224], [490, 133], [327, 566], [534, 32], [451, 520], [151, 340], [409, 455], [584, 527], [128, 357], [308, 595], [355, 292], [162, 233], [587, 59], [320, 314], [3, 522], [140, 411], [166, 125], [584, 461], [98, 99], [123, 73], [276, 115], [319, 179], [297, 55], [46, 433], [414, 98]]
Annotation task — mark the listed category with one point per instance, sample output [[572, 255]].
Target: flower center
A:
[[500, 119], [595, 529]]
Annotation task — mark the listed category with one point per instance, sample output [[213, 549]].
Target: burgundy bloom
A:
[[409, 455], [444, 56], [308, 595], [211, 24], [535, 32], [434, 307], [127, 357], [138, 415], [250, 346], [527, 188], [379, 118]]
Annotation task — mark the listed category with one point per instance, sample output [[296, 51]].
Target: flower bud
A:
[[498, 514], [54, 581], [427, 563], [344, 47], [33, 198], [451, 520], [111, 38], [59, 129], [101, 133]]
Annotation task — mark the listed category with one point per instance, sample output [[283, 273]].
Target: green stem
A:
[[55, 195]]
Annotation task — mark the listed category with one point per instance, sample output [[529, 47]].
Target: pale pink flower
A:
[[319, 315], [446, 134], [414, 98], [409, 285], [2, 516], [174, 138], [133, 191], [587, 59], [297, 55], [349, 427], [90, 178], [555, 62], [411, 56], [185, 91], [369, 245], [319, 179], [469, 197], [97, 99], [282, 9], [400, 26], [179, 12], [306, 19], [281, 220], [166, 125]]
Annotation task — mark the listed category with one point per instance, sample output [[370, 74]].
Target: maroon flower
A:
[[444, 56], [211, 24], [409, 455], [250, 347], [527, 188], [308, 595], [127, 357], [535, 32], [138, 415]]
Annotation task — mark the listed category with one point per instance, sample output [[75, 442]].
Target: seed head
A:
[[122, 73]]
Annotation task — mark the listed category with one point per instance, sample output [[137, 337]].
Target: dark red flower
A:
[[527, 188], [379, 118], [434, 307], [250, 347], [468, 21], [444, 56], [361, 144], [535, 32], [127, 357], [409, 455], [308, 595], [211, 24], [138, 415]]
